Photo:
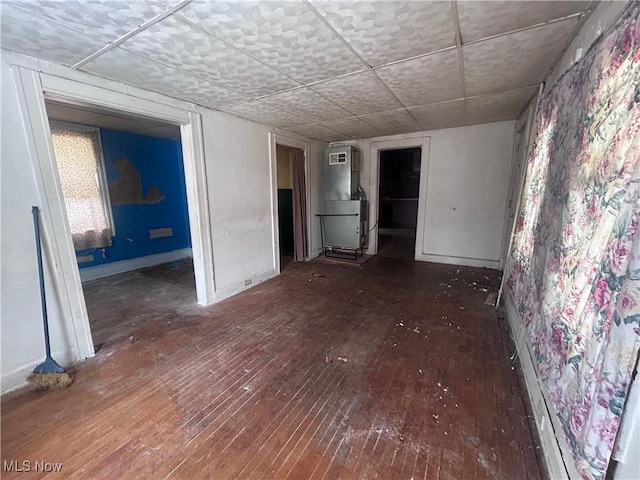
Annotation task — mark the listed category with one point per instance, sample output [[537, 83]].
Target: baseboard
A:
[[462, 261], [93, 273], [315, 253], [553, 441], [16, 379], [237, 287]]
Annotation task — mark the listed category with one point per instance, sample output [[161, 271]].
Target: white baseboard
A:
[[108, 269], [16, 379], [237, 287], [462, 261], [315, 253], [553, 441]]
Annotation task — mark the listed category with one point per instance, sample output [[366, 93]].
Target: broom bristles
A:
[[49, 381]]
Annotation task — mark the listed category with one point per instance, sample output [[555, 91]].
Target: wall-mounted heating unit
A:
[[344, 221]]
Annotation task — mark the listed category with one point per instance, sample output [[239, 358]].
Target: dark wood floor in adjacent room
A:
[[420, 386]]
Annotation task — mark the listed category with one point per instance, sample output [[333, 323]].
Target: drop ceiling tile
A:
[[353, 127], [308, 104], [390, 123], [515, 60], [360, 93], [383, 32], [319, 132], [263, 112], [124, 66], [429, 79], [499, 106], [24, 32], [180, 45], [103, 19], [483, 19], [286, 35], [441, 115]]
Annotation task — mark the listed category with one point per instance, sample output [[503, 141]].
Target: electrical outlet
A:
[[247, 282]]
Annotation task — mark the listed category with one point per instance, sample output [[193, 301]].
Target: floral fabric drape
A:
[[575, 266]]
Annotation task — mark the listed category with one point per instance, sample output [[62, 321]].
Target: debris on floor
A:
[[328, 359]]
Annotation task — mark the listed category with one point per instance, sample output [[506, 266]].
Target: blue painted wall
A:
[[159, 162]]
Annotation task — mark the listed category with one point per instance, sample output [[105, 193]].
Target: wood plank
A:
[[242, 389]]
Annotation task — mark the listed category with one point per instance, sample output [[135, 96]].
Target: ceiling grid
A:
[[324, 69]]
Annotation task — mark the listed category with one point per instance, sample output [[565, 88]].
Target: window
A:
[[79, 158]]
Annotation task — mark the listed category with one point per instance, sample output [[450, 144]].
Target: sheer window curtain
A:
[[78, 157], [299, 205]]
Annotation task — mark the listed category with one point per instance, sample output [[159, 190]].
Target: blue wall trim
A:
[[159, 162]]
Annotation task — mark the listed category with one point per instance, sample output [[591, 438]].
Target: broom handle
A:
[[36, 224]]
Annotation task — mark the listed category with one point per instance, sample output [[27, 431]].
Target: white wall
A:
[[466, 195], [238, 174], [237, 158], [21, 327]]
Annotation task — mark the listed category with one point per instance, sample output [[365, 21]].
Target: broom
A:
[[48, 375]]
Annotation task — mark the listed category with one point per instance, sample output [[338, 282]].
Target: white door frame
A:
[[33, 87], [275, 139], [421, 141], [512, 192]]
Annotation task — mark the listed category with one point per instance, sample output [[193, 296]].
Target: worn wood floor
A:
[[420, 384]]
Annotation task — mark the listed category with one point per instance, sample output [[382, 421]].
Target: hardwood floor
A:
[[420, 384]]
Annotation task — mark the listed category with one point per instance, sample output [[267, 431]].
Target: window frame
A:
[[103, 184]]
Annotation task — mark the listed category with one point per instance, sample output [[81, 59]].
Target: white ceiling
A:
[[94, 117], [325, 69]]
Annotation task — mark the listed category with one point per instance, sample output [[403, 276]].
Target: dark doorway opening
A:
[[290, 173], [398, 202]]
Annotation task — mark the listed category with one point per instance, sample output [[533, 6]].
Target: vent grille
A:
[[338, 158]]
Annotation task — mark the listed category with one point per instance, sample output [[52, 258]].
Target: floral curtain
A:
[[78, 155], [575, 266]]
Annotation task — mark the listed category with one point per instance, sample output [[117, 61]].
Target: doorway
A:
[[291, 205], [34, 88], [124, 190], [399, 191]]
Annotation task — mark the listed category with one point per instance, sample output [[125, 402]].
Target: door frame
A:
[[422, 141], [33, 88], [280, 139], [512, 193]]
